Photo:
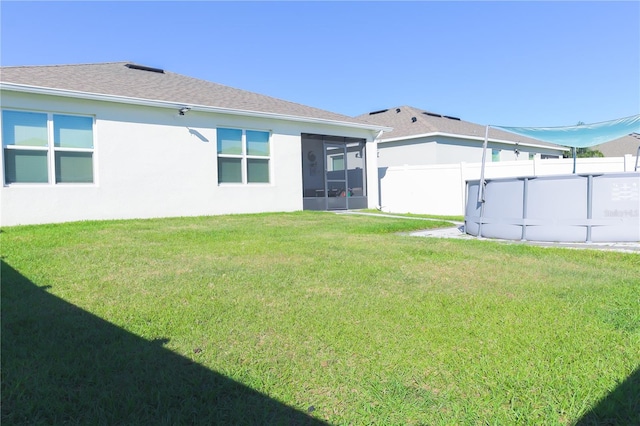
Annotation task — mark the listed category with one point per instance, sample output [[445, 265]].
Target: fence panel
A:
[[440, 189]]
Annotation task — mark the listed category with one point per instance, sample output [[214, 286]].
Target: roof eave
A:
[[476, 138], [177, 105]]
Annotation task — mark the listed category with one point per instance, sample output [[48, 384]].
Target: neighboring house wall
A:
[[399, 153], [439, 149], [440, 189], [152, 162]]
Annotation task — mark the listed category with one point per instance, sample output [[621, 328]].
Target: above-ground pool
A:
[[568, 208]]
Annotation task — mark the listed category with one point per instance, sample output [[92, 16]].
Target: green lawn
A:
[[311, 318]]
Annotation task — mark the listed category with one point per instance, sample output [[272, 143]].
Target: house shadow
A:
[[620, 407], [63, 365]]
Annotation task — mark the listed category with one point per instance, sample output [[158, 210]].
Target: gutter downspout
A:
[[372, 169]]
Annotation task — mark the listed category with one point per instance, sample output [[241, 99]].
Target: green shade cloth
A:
[[581, 136]]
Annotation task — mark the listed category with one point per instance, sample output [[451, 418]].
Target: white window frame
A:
[[50, 149], [244, 157]]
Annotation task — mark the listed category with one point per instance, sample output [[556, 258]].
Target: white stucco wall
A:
[[152, 162]]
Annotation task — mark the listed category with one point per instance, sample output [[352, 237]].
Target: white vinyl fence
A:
[[440, 189]]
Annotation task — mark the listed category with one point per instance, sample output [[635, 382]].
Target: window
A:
[[243, 156], [337, 162], [43, 148]]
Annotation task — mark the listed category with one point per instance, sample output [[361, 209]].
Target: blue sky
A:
[[502, 63]]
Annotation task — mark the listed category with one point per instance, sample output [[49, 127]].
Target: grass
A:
[[311, 318]]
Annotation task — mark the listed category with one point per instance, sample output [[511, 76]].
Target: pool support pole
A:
[[481, 186]]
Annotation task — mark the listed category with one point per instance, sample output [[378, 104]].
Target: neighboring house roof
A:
[[620, 147], [409, 122], [132, 83]]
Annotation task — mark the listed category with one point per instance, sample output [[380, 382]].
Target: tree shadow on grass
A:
[[620, 407], [61, 364]]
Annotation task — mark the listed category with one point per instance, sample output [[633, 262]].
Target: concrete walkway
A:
[[457, 232]]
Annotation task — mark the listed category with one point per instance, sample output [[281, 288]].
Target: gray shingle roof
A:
[[620, 147], [401, 119], [116, 79]]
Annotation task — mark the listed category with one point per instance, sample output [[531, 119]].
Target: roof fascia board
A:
[[476, 138], [194, 107]]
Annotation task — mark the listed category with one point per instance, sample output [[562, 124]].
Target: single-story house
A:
[[120, 140], [425, 138]]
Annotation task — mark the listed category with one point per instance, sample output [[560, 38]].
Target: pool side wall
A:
[[564, 208]]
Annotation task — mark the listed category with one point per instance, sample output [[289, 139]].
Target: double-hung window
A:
[[47, 148], [243, 156]]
